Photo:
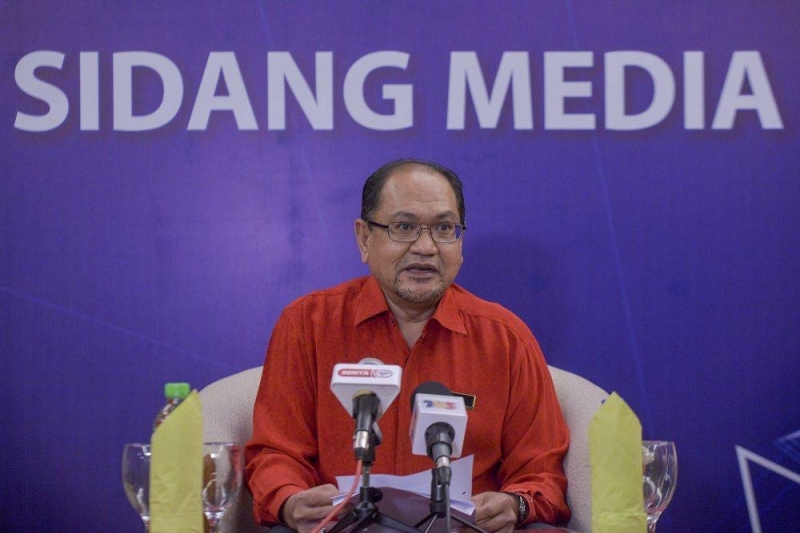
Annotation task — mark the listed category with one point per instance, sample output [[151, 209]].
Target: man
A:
[[409, 313]]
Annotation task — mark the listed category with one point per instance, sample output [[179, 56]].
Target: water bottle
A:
[[175, 394]]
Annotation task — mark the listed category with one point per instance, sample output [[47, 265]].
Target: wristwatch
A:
[[522, 507]]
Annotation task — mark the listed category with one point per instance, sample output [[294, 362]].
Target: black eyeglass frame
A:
[[463, 228]]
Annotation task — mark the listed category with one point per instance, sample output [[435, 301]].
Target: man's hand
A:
[[495, 511], [304, 511]]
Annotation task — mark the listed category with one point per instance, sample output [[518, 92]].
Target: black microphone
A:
[[368, 387], [438, 424], [366, 409]]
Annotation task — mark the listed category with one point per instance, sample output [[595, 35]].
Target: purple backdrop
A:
[[644, 224]]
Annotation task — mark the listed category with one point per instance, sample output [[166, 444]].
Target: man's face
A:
[[413, 275]]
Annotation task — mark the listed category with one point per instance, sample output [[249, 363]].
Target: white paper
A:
[[419, 484]]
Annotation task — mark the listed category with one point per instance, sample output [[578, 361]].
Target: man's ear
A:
[[362, 236]]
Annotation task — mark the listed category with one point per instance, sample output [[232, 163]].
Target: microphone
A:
[[438, 424], [365, 390]]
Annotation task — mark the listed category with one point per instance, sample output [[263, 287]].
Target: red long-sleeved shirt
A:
[[302, 437]]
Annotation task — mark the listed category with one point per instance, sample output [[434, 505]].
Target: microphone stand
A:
[[366, 512], [440, 505]]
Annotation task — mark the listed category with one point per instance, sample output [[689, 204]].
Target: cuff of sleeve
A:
[[283, 494]]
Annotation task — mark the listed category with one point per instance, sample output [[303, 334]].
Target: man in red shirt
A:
[[409, 313]]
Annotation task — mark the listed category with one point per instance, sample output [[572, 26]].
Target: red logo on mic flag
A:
[[362, 373]]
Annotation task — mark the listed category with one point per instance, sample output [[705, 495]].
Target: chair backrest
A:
[[228, 416], [579, 399]]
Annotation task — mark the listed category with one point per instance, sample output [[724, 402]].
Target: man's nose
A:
[[425, 243]]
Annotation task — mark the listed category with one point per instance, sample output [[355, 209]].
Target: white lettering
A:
[[694, 106], [465, 72], [222, 64], [90, 91], [24, 75], [557, 90], [124, 62], [282, 68], [747, 65], [401, 95], [746, 88], [663, 90]]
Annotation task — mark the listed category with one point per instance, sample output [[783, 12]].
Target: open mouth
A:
[[421, 269]]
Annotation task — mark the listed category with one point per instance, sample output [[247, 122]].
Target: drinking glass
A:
[[136, 479], [222, 477], [659, 475]]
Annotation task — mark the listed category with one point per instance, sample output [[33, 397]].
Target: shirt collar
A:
[[372, 302], [447, 312]]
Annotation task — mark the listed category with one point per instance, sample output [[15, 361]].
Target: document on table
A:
[[409, 496]]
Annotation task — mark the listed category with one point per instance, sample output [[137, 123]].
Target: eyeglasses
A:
[[409, 232]]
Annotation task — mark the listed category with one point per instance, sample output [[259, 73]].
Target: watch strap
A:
[[522, 507]]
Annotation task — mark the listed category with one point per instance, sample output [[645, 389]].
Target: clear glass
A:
[[659, 475], [223, 464], [136, 479]]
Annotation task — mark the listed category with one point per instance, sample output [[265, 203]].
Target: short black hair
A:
[[370, 196]]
